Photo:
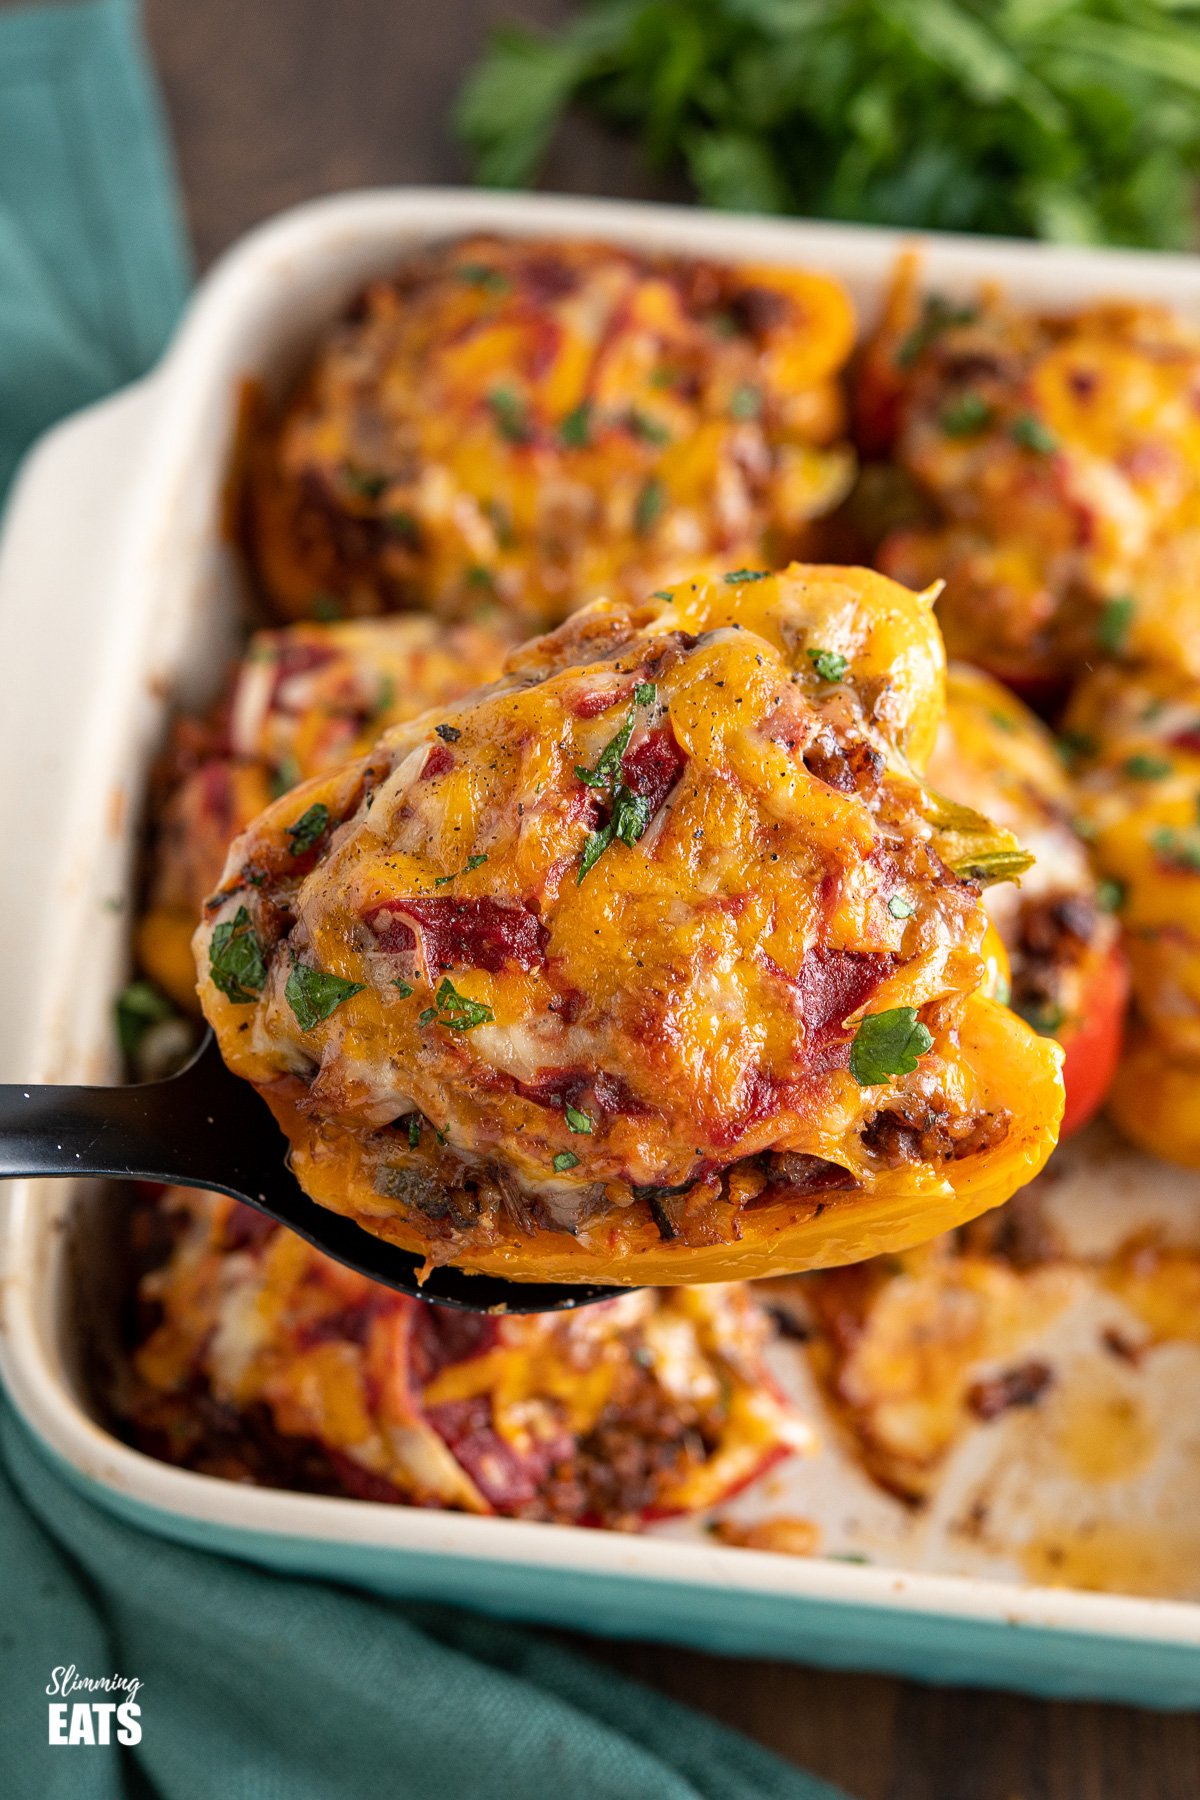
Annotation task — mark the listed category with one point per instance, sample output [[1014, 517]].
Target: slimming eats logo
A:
[[106, 1721]]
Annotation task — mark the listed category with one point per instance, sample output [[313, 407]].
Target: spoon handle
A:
[[187, 1130]]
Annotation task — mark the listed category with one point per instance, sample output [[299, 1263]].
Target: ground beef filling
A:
[[921, 1132], [1055, 931]]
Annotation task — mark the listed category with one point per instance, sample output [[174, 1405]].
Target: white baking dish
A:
[[117, 594]]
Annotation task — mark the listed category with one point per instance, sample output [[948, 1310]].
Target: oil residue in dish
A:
[[1115, 1557], [1101, 1431]]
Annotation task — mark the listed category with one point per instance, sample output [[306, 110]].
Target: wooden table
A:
[[273, 101]]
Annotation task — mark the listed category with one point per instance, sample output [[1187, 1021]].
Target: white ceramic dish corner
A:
[[119, 595]]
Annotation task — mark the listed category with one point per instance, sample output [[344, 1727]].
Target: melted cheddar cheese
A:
[[522, 426], [1058, 460], [569, 977], [650, 1404]]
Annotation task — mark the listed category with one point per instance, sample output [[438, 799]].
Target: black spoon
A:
[[206, 1128]]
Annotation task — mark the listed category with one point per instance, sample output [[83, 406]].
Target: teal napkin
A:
[[93, 259], [255, 1686], [258, 1687]]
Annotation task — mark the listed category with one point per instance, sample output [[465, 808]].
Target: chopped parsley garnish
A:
[[630, 812], [900, 908], [578, 1121], [648, 429], [287, 776], [309, 827], [1002, 722], [576, 429], [966, 415], [325, 609], [414, 1130], [830, 665], [566, 1159], [650, 504], [1177, 849], [472, 862], [481, 275], [662, 594], [404, 524], [235, 960], [630, 817], [139, 1006], [508, 410], [1112, 627], [1146, 768], [313, 994], [478, 576], [1072, 746], [746, 402], [939, 315], [1110, 895], [403, 988], [501, 522], [887, 1044], [738, 575], [1029, 433], [365, 483], [455, 1011], [1044, 1015]]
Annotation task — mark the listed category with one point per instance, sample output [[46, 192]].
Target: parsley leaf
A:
[[481, 275], [887, 1044], [575, 431], [830, 665], [745, 403], [736, 576], [139, 1006], [969, 414], [414, 1130], [1071, 121], [403, 988], [1028, 431], [1146, 768], [630, 812], [309, 827], [649, 507], [508, 410], [578, 1121], [455, 1011], [313, 994], [1177, 849], [566, 1159], [364, 484], [900, 908], [235, 960], [1112, 627]]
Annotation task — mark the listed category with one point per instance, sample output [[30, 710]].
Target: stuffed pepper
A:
[[516, 426], [1136, 741], [654, 962], [1056, 464], [1067, 971], [257, 1358], [302, 700]]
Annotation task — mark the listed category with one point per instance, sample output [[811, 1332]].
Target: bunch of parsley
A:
[[1070, 119]]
